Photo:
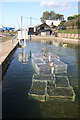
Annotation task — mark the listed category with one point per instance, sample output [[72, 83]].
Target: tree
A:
[[75, 16], [46, 16], [51, 16], [57, 16], [52, 25], [70, 18], [62, 23], [61, 17], [78, 24]]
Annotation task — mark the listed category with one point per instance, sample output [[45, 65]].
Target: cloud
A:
[[49, 4], [65, 6], [53, 4]]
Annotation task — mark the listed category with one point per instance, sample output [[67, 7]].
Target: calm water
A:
[[18, 79]]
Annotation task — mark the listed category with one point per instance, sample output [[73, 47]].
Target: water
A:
[[18, 79]]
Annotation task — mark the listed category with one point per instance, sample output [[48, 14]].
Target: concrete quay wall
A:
[[68, 35], [52, 38], [6, 52]]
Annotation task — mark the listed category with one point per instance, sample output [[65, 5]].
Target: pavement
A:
[[5, 48]]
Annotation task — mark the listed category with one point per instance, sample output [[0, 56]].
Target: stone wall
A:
[[68, 35]]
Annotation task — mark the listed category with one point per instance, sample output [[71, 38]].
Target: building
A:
[[43, 26], [46, 32], [30, 29], [55, 22], [43, 29]]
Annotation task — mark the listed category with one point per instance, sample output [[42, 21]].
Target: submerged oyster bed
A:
[[55, 91], [62, 81], [44, 77], [60, 66], [42, 65], [44, 56], [39, 61], [41, 68], [38, 88], [47, 85], [46, 90], [66, 93]]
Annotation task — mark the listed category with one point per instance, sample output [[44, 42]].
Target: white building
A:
[[55, 22]]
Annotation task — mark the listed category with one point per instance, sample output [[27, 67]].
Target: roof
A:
[[44, 24], [53, 20], [8, 28]]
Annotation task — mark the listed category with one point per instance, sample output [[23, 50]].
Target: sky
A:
[[11, 11]]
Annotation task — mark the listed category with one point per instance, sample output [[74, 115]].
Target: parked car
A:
[[61, 27]]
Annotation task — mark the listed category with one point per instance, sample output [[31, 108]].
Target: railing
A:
[[13, 39]]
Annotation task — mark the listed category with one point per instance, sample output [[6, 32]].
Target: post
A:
[[25, 38], [30, 21], [21, 26], [49, 58], [52, 70]]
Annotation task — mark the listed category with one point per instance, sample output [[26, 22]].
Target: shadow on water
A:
[[18, 79]]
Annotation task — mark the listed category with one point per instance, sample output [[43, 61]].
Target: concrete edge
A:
[[7, 60], [52, 38]]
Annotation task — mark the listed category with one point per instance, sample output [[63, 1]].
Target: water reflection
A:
[[23, 55]]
